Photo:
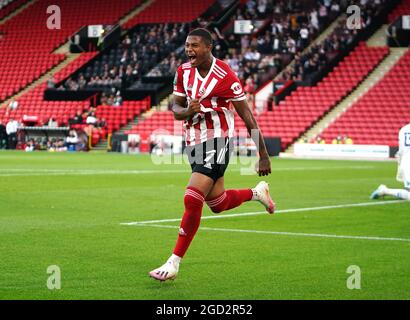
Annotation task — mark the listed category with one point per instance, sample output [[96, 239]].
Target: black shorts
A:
[[211, 157]]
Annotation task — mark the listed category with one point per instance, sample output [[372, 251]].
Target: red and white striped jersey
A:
[[215, 91]]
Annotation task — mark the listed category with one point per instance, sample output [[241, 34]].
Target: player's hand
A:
[[194, 106], [263, 167]]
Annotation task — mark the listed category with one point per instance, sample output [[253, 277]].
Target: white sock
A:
[[254, 195], [175, 259], [398, 193]]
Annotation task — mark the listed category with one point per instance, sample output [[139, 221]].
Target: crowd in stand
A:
[[137, 54], [73, 142], [293, 25], [9, 139], [111, 99], [87, 117], [319, 140], [308, 64]]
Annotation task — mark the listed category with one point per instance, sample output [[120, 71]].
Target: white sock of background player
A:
[[398, 193]]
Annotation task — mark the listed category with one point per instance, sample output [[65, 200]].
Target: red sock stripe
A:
[[214, 202], [194, 193]]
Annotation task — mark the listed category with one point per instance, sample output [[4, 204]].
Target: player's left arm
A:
[[243, 110]]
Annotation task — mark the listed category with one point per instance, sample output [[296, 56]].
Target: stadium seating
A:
[[27, 43], [307, 105], [116, 117], [163, 120], [165, 11], [32, 103], [402, 9], [20, 68], [378, 115]]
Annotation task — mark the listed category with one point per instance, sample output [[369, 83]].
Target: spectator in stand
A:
[[319, 140], [71, 85], [110, 100], [249, 89], [347, 140], [103, 100], [52, 123], [304, 38], [81, 82], [314, 20], [30, 146], [11, 130], [77, 119], [117, 100], [303, 140], [101, 123], [323, 13], [262, 8], [71, 139], [51, 83], [337, 140], [3, 136], [91, 119], [13, 105]]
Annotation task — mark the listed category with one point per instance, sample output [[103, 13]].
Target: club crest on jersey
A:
[[202, 91], [236, 88]]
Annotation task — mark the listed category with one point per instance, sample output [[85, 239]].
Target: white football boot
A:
[[168, 271], [379, 192], [261, 194]]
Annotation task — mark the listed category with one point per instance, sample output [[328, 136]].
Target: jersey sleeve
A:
[[233, 90], [178, 83]]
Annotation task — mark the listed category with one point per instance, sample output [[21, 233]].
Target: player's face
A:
[[197, 50]]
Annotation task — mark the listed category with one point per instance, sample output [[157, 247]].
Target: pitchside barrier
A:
[[342, 150]]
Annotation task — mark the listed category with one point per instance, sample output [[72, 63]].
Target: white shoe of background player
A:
[[379, 192]]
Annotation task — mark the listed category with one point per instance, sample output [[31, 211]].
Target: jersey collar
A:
[[197, 74]]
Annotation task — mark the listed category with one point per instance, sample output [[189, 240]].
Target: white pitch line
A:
[[282, 233], [363, 204]]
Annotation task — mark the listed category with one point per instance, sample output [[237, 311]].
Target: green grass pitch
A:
[[67, 210]]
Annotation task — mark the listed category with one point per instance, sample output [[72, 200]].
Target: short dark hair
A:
[[203, 33]]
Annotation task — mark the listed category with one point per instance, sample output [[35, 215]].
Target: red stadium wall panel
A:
[[377, 117]]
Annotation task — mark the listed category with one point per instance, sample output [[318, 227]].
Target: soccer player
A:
[[204, 87], [403, 170]]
